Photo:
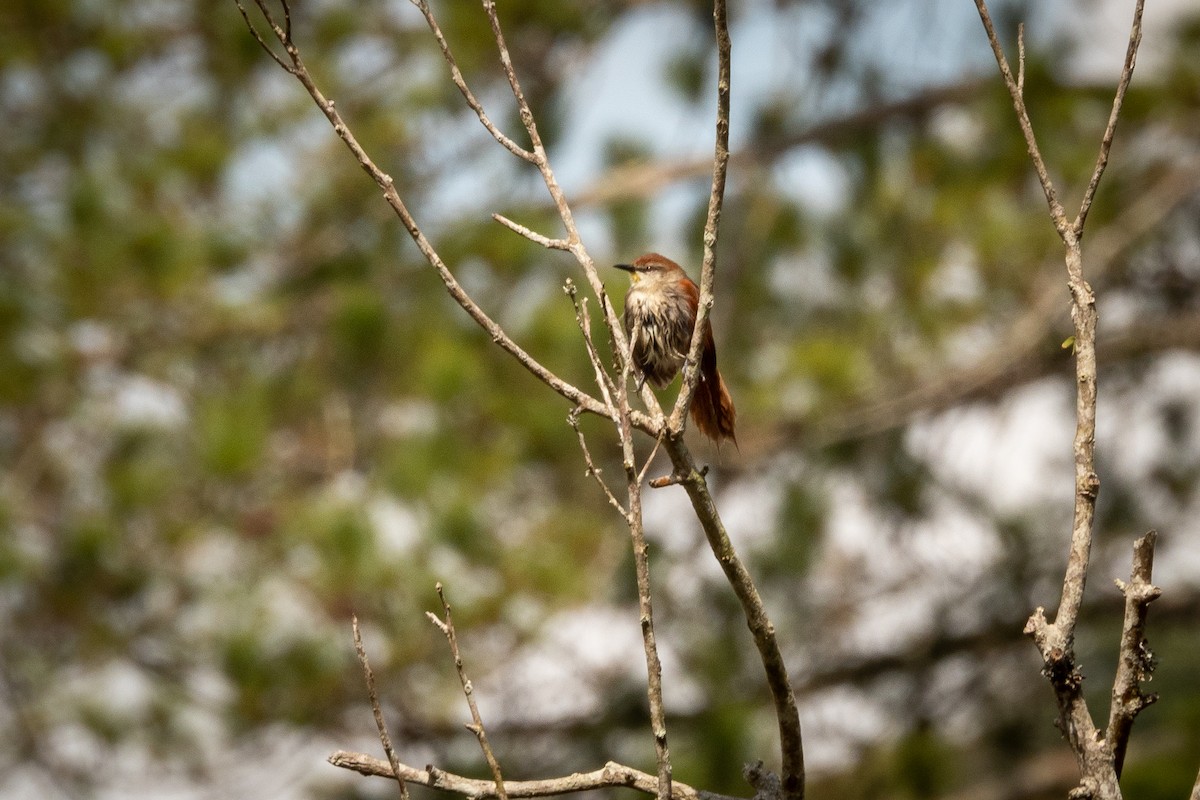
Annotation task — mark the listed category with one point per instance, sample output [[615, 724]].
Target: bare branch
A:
[[1099, 761], [1136, 664], [1015, 92], [459, 81], [1135, 40], [584, 320], [641, 561], [761, 628], [716, 197], [476, 727], [536, 238], [612, 775], [262, 42], [384, 738]]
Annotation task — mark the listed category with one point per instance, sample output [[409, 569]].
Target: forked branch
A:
[[1100, 753]]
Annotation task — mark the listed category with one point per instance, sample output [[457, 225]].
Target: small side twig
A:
[[446, 626], [531, 235], [1136, 664], [592, 469], [384, 738], [1018, 99]]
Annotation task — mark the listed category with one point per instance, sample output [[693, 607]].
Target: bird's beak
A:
[[631, 269]]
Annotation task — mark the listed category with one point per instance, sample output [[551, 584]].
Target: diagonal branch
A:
[[761, 628], [1135, 39], [459, 81], [446, 626], [1016, 92], [384, 738]]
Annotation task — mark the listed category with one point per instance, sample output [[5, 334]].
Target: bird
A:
[[660, 312]]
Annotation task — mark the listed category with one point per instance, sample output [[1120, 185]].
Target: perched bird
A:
[[660, 311]]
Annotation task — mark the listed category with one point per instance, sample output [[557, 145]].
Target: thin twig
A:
[[650, 458], [533, 236], [446, 625], [459, 81], [1056, 211], [592, 469], [1135, 40], [691, 368], [1136, 664], [611, 775], [384, 738], [607, 387]]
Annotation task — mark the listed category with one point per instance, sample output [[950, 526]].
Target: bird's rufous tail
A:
[[712, 407]]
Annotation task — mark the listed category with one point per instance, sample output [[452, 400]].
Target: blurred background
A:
[[236, 406]]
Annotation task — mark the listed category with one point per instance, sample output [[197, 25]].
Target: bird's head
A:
[[652, 268]]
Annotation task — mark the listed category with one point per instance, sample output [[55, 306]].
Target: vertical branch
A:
[[641, 560], [691, 371], [446, 626], [1136, 663], [1099, 753]]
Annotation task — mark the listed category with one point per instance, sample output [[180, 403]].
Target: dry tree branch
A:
[[384, 738], [1135, 40], [1136, 663], [1018, 99], [592, 469], [533, 236], [762, 629], [611, 775], [459, 81], [633, 511], [1098, 759], [446, 626], [694, 481], [716, 197]]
